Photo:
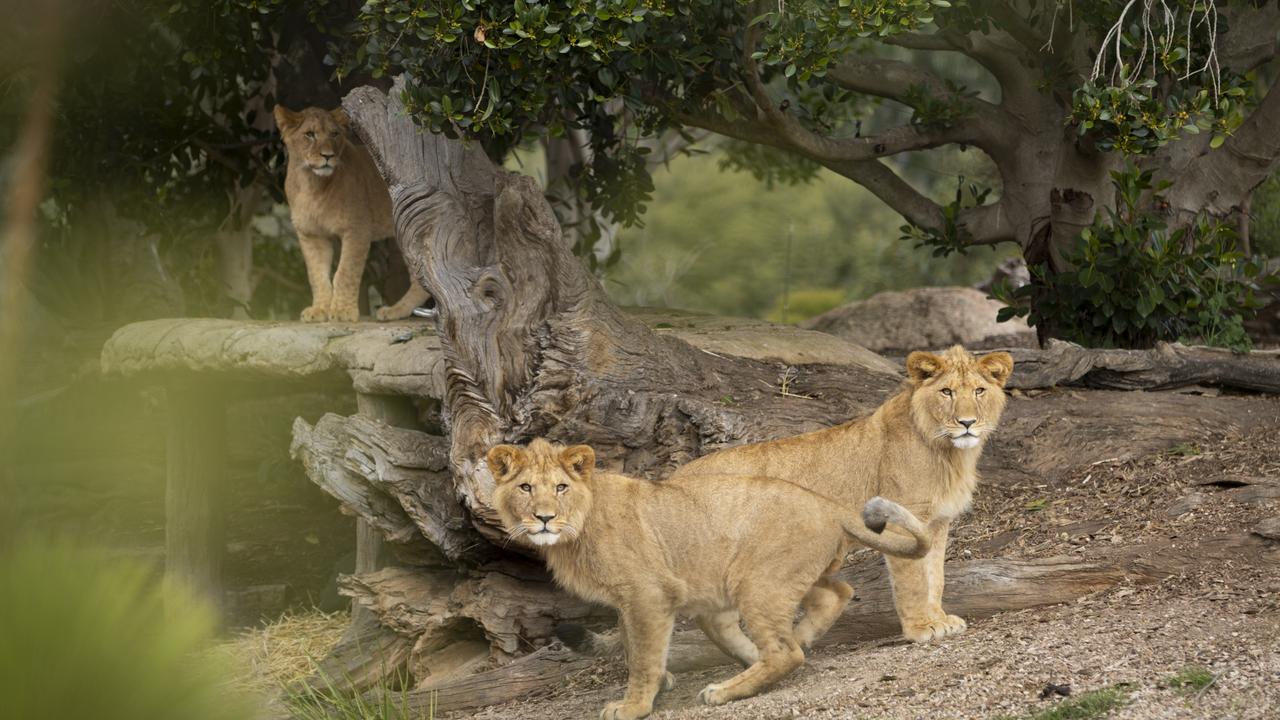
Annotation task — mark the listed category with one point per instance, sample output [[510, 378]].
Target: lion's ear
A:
[[922, 365], [579, 461], [504, 461], [286, 119], [999, 365], [340, 116]]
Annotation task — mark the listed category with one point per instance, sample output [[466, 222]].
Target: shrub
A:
[[1131, 282]]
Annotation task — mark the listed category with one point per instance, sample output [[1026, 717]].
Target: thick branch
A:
[[1253, 38], [920, 41], [986, 225], [1219, 180], [895, 79], [820, 147]]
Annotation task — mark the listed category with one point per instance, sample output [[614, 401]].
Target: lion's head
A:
[[543, 491], [957, 398], [315, 136]]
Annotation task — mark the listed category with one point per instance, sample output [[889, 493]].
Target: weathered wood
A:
[[404, 357], [976, 589], [397, 412], [395, 479], [1163, 367], [195, 479], [506, 605]]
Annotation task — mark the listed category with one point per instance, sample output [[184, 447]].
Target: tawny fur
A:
[[907, 451], [712, 547], [336, 194]]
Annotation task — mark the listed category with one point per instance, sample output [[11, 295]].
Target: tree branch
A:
[[819, 147], [893, 79], [1252, 40], [920, 41], [1219, 180], [986, 225]]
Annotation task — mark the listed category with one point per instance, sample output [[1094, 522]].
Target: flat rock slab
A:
[[404, 358]]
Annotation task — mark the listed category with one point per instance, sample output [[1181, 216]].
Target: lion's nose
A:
[[327, 155], [967, 422], [545, 518]]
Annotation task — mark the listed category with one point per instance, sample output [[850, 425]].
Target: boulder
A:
[[897, 322]]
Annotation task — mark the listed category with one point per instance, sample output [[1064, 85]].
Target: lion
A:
[[919, 449], [711, 546], [335, 193]]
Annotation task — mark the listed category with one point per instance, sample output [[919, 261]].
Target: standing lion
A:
[[335, 193]]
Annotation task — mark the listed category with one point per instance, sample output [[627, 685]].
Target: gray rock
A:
[[898, 322]]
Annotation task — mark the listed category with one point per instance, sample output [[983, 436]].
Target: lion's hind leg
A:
[[823, 604], [769, 615], [413, 297], [722, 629]]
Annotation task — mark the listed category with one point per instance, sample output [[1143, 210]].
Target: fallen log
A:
[[496, 611], [1164, 367]]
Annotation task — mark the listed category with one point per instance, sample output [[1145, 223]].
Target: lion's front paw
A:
[[623, 710], [713, 694], [344, 313], [935, 628], [315, 313]]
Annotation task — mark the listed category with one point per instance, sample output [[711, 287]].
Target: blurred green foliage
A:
[[717, 242], [86, 635]]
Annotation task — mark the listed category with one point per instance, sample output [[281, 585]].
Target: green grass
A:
[[380, 703], [1185, 450], [1191, 679], [1085, 706]]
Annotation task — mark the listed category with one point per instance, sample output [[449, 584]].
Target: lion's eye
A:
[[979, 391], [946, 392], [526, 487], [561, 488], [333, 133]]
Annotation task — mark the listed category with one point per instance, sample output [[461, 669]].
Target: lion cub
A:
[[335, 193], [711, 548]]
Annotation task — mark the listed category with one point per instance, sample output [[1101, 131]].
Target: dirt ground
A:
[[1223, 618]]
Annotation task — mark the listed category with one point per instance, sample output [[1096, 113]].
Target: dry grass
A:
[[272, 656]]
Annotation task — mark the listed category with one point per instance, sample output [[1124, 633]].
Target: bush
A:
[[87, 635], [1131, 282]]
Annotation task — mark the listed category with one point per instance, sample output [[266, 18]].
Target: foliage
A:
[[805, 303], [716, 242], [1191, 679], [1130, 282], [1085, 706], [331, 703], [1165, 79], [87, 635], [951, 237]]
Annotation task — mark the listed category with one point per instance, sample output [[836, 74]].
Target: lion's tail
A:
[[879, 512], [587, 642]]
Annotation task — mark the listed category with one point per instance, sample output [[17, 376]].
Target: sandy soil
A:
[[1224, 617]]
